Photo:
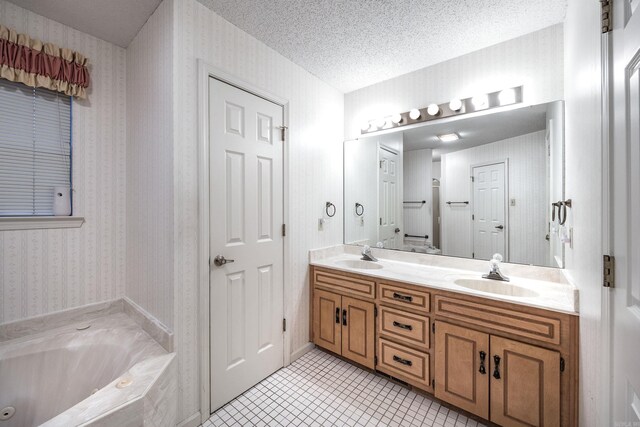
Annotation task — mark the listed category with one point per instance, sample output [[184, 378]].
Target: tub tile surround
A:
[[79, 338], [555, 291], [65, 318]]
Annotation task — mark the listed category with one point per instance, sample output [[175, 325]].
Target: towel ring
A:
[[562, 206], [359, 212], [330, 209]]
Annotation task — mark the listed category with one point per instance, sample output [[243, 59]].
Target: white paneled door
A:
[[246, 243], [489, 225], [625, 174], [388, 226]]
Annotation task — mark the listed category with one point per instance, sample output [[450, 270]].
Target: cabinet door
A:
[[327, 323], [525, 384], [358, 334], [462, 378]]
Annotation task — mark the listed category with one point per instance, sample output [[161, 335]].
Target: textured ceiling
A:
[[355, 43], [116, 21]]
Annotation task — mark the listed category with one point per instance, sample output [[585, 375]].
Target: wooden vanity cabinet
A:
[[462, 368], [525, 384], [505, 381], [344, 325], [511, 364]]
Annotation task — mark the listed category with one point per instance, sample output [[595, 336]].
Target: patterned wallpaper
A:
[[48, 270], [315, 159], [534, 60], [150, 166]]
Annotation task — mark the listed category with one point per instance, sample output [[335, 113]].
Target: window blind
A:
[[35, 148]]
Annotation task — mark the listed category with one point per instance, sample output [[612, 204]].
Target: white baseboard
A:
[[302, 351], [193, 421]]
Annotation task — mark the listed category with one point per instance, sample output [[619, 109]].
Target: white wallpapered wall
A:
[[150, 280], [315, 159], [42, 271], [583, 173], [527, 184], [534, 60]]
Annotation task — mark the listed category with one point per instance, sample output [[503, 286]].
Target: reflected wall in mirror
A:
[[488, 191]]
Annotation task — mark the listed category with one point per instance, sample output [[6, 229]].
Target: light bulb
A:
[[480, 102], [507, 96], [380, 123], [414, 114], [365, 126], [433, 109], [396, 118], [455, 104]]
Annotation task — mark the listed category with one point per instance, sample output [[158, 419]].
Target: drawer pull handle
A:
[[403, 361], [496, 369], [344, 317], [402, 326], [338, 315], [482, 369], [401, 297]]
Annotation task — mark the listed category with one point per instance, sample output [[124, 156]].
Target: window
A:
[[35, 148]]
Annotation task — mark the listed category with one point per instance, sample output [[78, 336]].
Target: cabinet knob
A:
[[496, 367], [482, 369], [338, 315], [402, 361], [344, 317]]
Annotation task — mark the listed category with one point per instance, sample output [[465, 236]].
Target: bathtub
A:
[[101, 371]]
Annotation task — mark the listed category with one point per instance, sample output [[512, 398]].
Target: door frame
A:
[[205, 72], [507, 226]]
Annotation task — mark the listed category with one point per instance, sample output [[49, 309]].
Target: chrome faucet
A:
[[494, 271], [367, 255]]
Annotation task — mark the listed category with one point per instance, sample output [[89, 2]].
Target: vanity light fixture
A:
[[455, 107], [507, 97], [455, 104], [449, 137], [480, 102]]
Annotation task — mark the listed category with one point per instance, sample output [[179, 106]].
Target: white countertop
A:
[[543, 287]]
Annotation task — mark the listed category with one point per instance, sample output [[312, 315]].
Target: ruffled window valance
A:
[[37, 64]]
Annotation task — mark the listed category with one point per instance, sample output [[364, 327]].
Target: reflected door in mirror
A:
[[488, 211]]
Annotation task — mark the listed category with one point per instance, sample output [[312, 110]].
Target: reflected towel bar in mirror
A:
[[457, 203], [413, 235], [421, 202]]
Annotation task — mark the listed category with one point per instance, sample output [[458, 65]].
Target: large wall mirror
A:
[[420, 189]]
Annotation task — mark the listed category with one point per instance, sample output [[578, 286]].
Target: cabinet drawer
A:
[[403, 326], [342, 283], [404, 297], [528, 325], [407, 364]]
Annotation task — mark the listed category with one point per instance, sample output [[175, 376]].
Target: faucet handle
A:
[[497, 257], [366, 249]]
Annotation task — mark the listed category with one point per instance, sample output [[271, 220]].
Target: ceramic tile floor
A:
[[321, 390]]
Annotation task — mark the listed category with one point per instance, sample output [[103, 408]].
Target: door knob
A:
[[219, 261], [499, 227], [397, 230]]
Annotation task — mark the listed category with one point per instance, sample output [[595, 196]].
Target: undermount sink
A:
[[496, 287], [359, 264]]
